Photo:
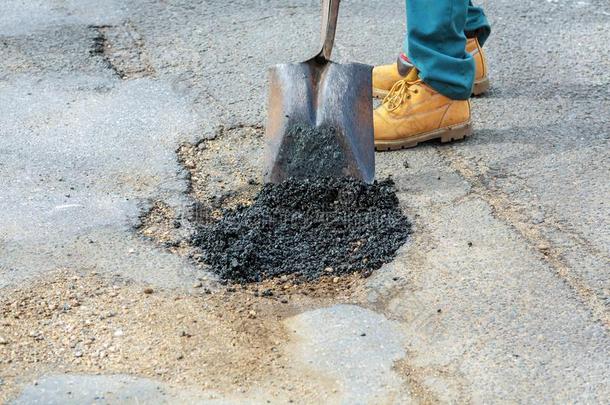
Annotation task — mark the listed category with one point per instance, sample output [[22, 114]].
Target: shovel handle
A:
[[330, 11]]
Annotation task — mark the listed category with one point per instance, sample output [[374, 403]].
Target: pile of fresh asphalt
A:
[[306, 228], [308, 152]]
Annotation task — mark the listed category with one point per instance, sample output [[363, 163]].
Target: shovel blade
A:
[[320, 122]]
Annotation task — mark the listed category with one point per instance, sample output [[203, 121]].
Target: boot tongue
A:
[[413, 75], [404, 65]]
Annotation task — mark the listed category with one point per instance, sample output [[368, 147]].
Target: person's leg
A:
[[477, 24], [431, 102], [477, 31], [436, 45]]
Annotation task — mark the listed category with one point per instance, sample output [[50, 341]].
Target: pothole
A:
[[298, 230], [224, 171]]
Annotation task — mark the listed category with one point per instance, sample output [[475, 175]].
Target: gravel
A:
[[306, 228]]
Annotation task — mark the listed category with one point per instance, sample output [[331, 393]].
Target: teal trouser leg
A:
[[436, 44], [477, 22]]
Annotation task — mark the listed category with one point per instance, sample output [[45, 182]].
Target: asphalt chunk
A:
[[303, 228]]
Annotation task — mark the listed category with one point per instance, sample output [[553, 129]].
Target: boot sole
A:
[[447, 134], [478, 88]]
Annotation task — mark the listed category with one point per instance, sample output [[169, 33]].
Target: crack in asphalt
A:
[[122, 49], [509, 211]]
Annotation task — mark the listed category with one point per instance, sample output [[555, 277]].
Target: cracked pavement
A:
[[501, 295]]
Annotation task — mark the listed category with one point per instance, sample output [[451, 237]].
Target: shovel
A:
[[320, 115]]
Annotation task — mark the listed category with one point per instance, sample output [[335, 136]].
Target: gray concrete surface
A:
[[87, 389], [87, 141], [353, 346], [74, 389]]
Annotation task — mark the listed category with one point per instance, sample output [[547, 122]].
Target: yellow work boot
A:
[[385, 76], [481, 81], [413, 112]]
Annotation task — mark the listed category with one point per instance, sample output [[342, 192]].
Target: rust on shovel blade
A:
[[320, 121]]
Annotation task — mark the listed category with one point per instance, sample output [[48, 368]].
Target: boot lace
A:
[[399, 93]]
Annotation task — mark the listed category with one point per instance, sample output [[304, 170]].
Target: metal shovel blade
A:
[[320, 116], [320, 122]]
